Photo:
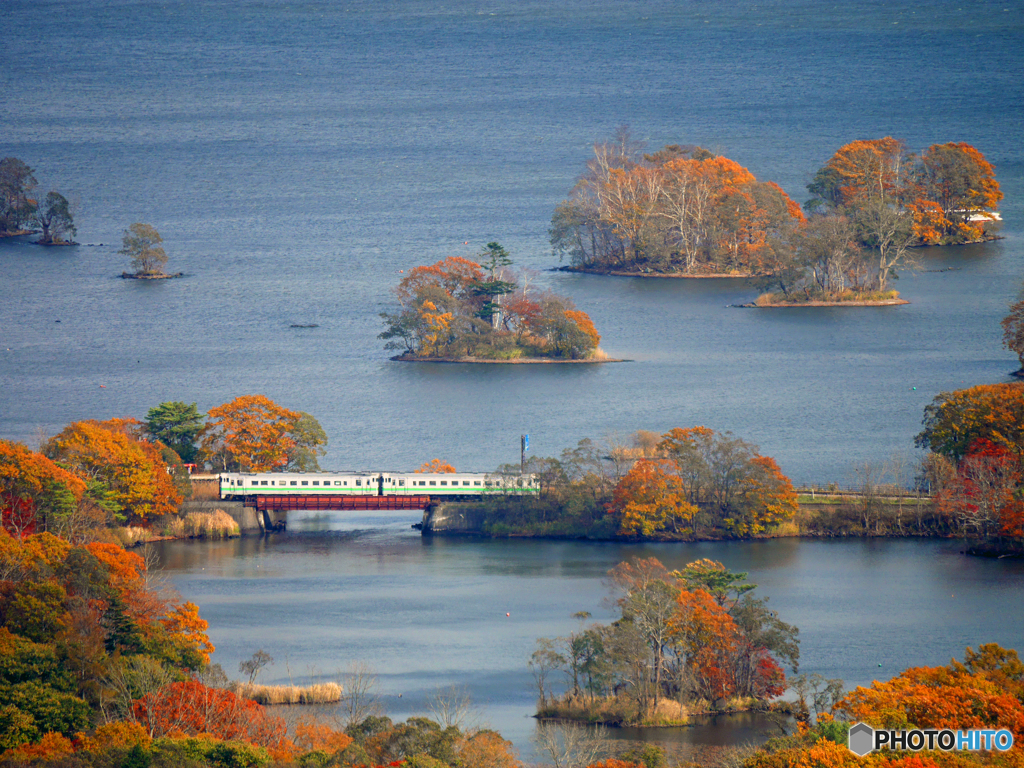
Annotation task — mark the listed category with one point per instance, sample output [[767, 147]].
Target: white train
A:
[[241, 484]]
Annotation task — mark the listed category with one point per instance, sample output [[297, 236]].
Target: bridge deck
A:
[[324, 502]]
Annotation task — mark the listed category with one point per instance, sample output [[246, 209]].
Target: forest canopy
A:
[[458, 309]]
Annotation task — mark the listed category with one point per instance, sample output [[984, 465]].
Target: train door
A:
[[380, 485]]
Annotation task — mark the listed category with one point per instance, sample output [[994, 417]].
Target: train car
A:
[[240, 484], [462, 484]]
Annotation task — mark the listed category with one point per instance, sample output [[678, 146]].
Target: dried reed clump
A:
[[204, 525], [318, 693], [131, 535]]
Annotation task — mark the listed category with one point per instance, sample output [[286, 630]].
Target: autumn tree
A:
[[435, 466], [192, 708], [729, 480], [1013, 331], [113, 454], [35, 493], [56, 220], [141, 244], [947, 195], [251, 434], [954, 421], [651, 498], [960, 183], [16, 184], [951, 697]]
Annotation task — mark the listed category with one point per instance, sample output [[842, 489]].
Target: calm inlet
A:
[[343, 588]]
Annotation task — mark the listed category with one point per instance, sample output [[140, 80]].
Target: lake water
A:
[[344, 588], [296, 156]]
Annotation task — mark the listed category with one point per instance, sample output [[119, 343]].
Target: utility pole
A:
[[524, 444]]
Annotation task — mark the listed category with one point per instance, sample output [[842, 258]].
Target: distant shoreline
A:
[[161, 276], [867, 303], [666, 275], [517, 361]]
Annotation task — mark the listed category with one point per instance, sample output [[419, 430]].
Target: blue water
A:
[[296, 155]]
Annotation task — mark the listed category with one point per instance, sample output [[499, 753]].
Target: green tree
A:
[[56, 220], [176, 425], [16, 183], [141, 243], [493, 259], [310, 443]]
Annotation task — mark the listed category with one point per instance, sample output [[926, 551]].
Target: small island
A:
[[683, 212], [141, 244], [463, 311], [19, 211]]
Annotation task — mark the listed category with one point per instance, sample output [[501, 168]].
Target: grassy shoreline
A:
[[668, 713]]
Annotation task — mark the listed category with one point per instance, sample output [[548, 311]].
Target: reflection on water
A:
[[338, 588]]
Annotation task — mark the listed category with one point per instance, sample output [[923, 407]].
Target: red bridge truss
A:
[[284, 503]]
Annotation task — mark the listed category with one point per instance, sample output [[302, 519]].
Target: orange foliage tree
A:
[[33, 490], [113, 454], [950, 190], [960, 184], [676, 210], [937, 697], [743, 492], [185, 623], [311, 734], [191, 708], [250, 434], [486, 749], [435, 467], [651, 498], [954, 421]]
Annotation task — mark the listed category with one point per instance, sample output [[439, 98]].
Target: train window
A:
[[337, 482], [465, 482], [432, 482], [401, 482], [487, 483], [476, 482], [316, 482], [294, 483], [305, 482], [359, 482], [443, 482]]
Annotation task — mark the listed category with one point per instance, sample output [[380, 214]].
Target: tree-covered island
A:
[[20, 212], [685, 212], [141, 244], [459, 310]]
